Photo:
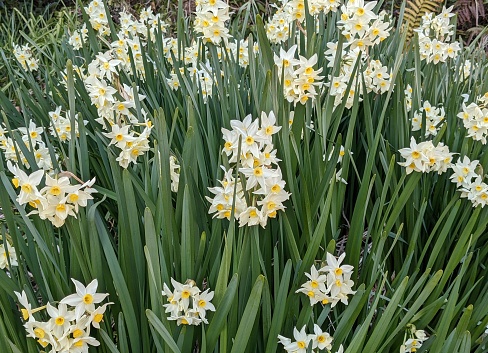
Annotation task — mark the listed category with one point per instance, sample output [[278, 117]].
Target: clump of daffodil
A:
[[319, 340], [413, 339], [475, 118], [187, 304], [249, 144], [330, 284], [435, 33], [31, 137], [24, 56], [68, 325], [300, 80], [469, 181], [424, 157], [434, 116], [57, 200]]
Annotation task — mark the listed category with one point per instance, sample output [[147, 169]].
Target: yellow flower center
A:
[[185, 294], [301, 344], [61, 207], [275, 188], [249, 140], [202, 303], [55, 190], [98, 317], [309, 70], [73, 198], [78, 344], [33, 134], [77, 333], [184, 322], [415, 154], [39, 332], [25, 314], [338, 271], [258, 171], [314, 284], [59, 321], [88, 299], [15, 181], [321, 338], [27, 188]]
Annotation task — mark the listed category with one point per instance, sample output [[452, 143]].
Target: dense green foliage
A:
[[418, 249]]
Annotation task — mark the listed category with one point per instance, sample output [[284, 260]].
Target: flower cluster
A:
[[360, 25], [114, 109], [425, 157], [262, 182], [23, 54], [8, 256], [62, 126], [434, 33], [97, 16], [469, 182], [277, 29], [78, 37], [475, 118], [187, 304], [433, 118], [68, 329], [240, 51], [320, 340], [57, 200], [363, 29], [414, 341], [298, 77], [210, 18], [32, 140], [330, 284]]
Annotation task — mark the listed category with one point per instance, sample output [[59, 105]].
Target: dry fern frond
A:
[[470, 13], [414, 10]]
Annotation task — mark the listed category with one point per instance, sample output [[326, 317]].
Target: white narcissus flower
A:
[[27, 308], [201, 303], [187, 305], [302, 340], [7, 254], [334, 266], [27, 183], [85, 298], [321, 340], [97, 315], [60, 318]]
